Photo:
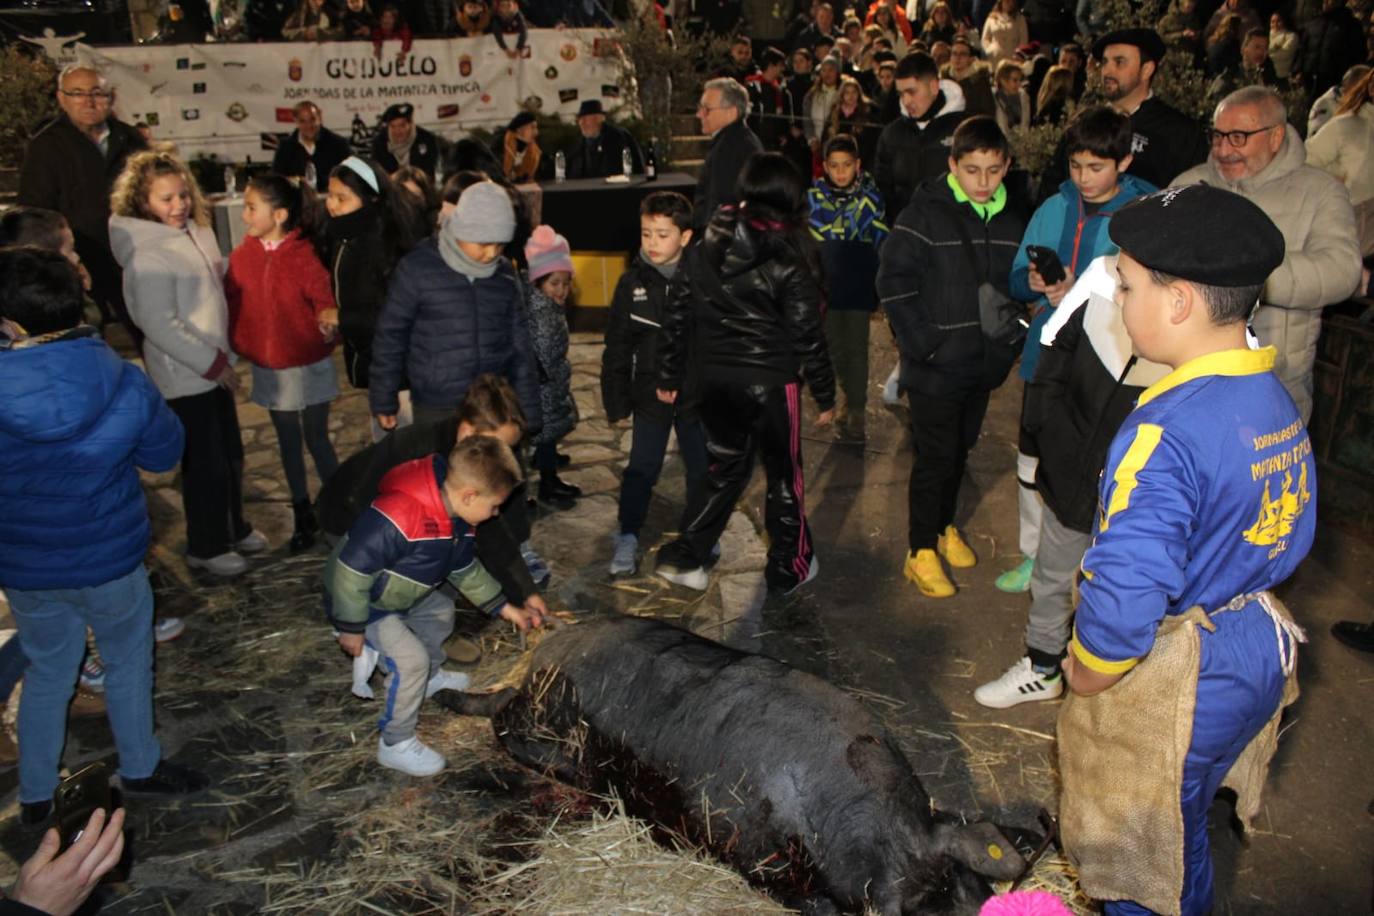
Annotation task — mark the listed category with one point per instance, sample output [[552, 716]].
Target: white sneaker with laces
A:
[[253, 543], [696, 579], [226, 564], [410, 756], [446, 680], [625, 559], [1020, 683]]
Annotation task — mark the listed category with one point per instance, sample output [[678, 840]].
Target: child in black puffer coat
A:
[[546, 297]]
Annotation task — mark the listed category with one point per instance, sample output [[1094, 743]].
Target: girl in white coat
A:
[[173, 285]]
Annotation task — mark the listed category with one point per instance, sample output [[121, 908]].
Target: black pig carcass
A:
[[778, 773]]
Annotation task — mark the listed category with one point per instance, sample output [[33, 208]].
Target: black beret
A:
[[400, 110], [590, 107], [521, 120], [1200, 233], [1147, 40]]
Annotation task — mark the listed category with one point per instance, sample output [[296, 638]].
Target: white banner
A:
[[221, 98]]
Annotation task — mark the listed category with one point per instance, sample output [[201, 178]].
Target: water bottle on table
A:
[[231, 180], [626, 164], [560, 166]]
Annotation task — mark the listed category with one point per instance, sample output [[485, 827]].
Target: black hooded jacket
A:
[[749, 310]]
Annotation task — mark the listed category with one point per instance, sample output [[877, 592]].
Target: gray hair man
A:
[[1257, 154], [70, 166], [723, 107]]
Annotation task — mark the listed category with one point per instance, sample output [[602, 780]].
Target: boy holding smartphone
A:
[[1073, 225]]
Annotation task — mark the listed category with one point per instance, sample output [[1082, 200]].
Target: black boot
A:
[[303, 538], [553, 498], [559, 486]]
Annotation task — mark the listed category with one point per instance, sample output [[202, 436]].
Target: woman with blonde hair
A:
[[173, 286], [1055, 101], [1344, 148], [1004, 31], [1012, 101], [852, 114]]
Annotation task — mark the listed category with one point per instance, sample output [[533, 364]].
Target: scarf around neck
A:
[[401, 151], [455, 258]]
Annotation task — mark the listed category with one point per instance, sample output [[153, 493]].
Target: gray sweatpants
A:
[[411, 649], [1057, 559]]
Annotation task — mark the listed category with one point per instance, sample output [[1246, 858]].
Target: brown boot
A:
[[86, 704], [462, 650]]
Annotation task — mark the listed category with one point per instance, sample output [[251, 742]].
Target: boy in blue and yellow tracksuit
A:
[[1208, 497], [381, 581]]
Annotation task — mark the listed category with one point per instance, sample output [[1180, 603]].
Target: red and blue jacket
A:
[[403, 547]]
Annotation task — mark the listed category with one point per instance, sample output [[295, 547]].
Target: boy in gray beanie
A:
[[453, 311]]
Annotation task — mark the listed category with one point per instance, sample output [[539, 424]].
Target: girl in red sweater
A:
[[282, 319]]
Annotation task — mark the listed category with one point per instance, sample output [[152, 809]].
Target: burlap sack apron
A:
[[1121, 756]]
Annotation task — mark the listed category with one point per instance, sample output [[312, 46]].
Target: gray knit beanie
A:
[[484, 214]]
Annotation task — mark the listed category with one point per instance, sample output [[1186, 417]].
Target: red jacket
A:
[[275, 298]]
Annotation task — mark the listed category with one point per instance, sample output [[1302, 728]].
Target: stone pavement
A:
[[302, 820]]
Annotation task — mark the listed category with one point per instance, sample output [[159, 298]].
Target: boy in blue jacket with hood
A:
[[1074, 224], [76, 425]]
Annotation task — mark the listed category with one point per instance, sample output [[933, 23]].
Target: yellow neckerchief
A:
[[1222, 362], [995, 205]]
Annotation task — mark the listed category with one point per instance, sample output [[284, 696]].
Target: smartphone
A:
[[76, 799], [1047, 263]]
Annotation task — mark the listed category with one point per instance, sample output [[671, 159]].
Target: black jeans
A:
[[648, 443], [739, 421], [310, 426], [943, 430], [211, 473]]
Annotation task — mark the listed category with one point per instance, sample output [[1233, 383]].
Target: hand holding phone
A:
[[77, 797], [1047, 263]]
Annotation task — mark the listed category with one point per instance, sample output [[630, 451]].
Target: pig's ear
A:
[[982, 848]]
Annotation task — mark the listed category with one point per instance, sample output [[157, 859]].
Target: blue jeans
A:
[[52, 628]]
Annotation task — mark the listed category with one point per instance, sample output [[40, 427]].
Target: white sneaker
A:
[[411, 756], [696, 579], [166, 629], [254, 543], [446, 680], [1021, 683], [625, 559], [226, 564]]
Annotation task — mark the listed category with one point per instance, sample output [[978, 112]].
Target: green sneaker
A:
[[1017, 579]]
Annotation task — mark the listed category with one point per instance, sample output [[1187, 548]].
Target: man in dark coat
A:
[[915, 147], [1332, 43], [723, 107], [402, 142], [312, 150], [598, 153], [70, 166]]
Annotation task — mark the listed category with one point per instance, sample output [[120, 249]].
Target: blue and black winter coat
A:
[[848, 224], [441, 329], [76, 425]]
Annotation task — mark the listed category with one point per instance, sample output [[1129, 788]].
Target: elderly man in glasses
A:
[[70, 165], [1256, 153]]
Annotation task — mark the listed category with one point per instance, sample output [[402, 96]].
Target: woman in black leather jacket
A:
[[747, 310]]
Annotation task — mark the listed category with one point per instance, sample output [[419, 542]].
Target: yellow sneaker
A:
[[953, 549], [927, 572]]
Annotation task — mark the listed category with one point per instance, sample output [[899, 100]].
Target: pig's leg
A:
[[486, 705]]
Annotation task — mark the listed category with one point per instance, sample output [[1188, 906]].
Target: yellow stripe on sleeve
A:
[[1100, 665], [1147, 436]]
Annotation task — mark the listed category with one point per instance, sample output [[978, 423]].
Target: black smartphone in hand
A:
[[76, 799], [1047, 263]]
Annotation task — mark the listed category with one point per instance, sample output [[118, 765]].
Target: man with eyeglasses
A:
[[1255, 153], [973, 77], [70, 166], [723, 107]]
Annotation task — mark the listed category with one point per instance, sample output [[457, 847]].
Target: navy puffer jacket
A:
[[441, 329], [76, 424]]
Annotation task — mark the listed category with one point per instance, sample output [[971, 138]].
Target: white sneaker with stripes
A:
[[1021, 683]]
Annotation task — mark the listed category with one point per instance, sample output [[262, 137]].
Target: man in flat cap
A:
[[1180, 656], [402, 142], [1165, 141], [597, 154], [1257, 154]]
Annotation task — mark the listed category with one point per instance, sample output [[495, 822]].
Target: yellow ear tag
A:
[[994, 850]]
